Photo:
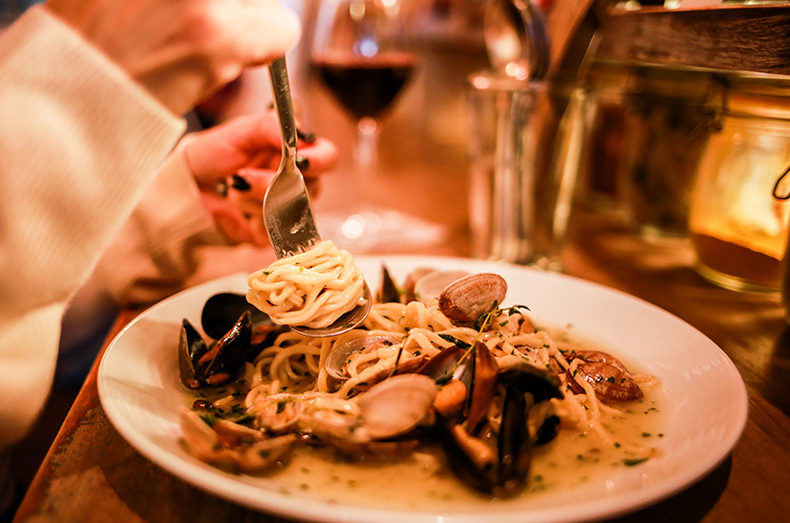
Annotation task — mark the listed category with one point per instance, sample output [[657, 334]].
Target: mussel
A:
[[388, 290], [210, 364], [222, 310], [496, 459]]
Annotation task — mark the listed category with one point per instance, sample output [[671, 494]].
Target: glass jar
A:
[[671, 113], [738, 229], [602, 154]]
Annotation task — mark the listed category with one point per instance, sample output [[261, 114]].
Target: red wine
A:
[[366, 87]]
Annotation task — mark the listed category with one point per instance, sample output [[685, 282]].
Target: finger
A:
[[313, 187], [272, 31], [235, 225], [258, 180], [321, 155], [220, 151]]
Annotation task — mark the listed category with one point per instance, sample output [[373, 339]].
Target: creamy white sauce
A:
[[422, 479]]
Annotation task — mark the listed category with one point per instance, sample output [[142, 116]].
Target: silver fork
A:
[[286, 205]]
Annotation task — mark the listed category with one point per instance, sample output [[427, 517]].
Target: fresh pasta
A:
[[310, 289]]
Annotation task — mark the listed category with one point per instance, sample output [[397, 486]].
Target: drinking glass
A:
[[361, 54]]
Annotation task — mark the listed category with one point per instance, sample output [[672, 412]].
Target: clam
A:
[[411, 280], [387, 410], [465, 299], [374, 450], [608, 377], [338, 358], [397, 405], [278, 417], [429, 286], [232, 446]]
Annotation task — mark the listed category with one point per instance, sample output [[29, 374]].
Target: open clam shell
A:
[[338, 357], [396, 405], [465, 299]]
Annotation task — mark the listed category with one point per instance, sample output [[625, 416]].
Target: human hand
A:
[[181, 51], [241, 156]]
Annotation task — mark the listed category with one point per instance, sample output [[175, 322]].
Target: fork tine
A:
[[288, 216]]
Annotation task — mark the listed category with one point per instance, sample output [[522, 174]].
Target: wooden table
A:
[[92, 474]]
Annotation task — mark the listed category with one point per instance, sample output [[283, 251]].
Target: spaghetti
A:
[[296, 365], [310, 289]]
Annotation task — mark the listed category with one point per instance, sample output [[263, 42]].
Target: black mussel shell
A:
[[547, 430], [442, 366], [230, 352], [483, 479], [513, 443], [483, 387], [388, 291], [221, 311], [527, 378], [191, 347], [202, 364]]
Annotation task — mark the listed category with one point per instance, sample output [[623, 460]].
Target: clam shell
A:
[[465, 299], [396, 405], [337, 358], [428, 286]]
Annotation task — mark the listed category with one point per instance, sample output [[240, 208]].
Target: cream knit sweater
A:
[[79, 143]]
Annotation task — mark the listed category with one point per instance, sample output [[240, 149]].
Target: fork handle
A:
[[285, 112]]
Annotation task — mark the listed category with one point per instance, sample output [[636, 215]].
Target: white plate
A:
[[140, 393]]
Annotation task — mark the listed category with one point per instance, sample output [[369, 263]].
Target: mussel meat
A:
[[495, 459], [608, 377]]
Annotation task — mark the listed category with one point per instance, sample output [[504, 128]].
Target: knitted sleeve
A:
[[79, 142]]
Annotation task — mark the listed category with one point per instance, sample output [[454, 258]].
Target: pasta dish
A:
[[453, 370]]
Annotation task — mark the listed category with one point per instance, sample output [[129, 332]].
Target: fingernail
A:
[[302, 163], [305, 136], [240, 183]]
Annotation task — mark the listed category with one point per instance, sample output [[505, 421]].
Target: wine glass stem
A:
[[366, 155]]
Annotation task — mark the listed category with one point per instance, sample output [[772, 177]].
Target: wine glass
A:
[[361, 54]]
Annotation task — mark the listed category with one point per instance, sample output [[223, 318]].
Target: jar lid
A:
[[757, 95]]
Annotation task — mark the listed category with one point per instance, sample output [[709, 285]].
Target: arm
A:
[[61, 134], [87, 112], [159, 247]]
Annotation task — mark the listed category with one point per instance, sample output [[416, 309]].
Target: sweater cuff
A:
[[158, 249]]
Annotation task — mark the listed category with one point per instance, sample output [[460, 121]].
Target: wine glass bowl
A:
[[361, 53]]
